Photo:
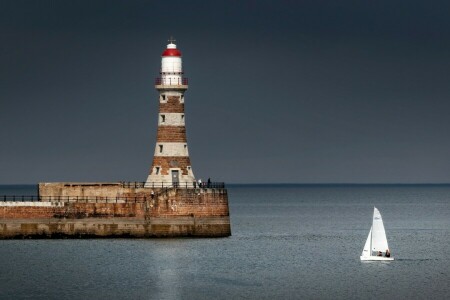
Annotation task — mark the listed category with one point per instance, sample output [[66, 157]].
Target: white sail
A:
[[379, 240], [366, 250]]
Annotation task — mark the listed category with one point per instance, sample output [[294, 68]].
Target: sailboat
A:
[[376, 244]]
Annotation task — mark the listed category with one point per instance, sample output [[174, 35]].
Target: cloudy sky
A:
[[280, 91]]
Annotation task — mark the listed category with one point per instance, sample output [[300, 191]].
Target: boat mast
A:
[[371, 232]]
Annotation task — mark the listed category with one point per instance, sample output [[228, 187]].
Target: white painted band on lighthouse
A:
[[171, 119], [171, 149], [158, 180]]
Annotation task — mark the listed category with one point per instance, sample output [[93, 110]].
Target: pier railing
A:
[[100, 199], [180, 185], [87, 199], [161, 188]]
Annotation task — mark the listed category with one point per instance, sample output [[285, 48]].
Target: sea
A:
[[288, 242]]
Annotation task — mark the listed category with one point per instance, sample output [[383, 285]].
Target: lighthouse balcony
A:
[[171, 83]]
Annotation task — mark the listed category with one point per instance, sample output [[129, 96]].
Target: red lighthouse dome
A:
[[171, 50]]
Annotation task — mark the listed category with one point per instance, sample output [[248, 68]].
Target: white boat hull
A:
[[379, 258]]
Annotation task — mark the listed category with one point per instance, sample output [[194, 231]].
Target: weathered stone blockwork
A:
[[76, 210], [91, 190], [171, 213]]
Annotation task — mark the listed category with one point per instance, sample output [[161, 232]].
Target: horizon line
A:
[[278, 183]]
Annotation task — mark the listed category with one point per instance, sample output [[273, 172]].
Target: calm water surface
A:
[[289, 241]]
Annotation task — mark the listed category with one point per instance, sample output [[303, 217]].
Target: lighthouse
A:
[[171, 165]]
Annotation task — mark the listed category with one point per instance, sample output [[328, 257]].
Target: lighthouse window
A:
[[157, 170], [185, 147], [163, 97], [163, 118], [182, 117], [160, 148]]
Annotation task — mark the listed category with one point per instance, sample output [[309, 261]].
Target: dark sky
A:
[[280, 91]]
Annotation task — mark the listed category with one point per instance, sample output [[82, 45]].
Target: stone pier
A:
[[77, 210]]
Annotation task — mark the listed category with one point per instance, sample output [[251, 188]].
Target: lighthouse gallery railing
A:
[[171, 81]]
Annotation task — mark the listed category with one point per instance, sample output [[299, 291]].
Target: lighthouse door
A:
[[175, 178]]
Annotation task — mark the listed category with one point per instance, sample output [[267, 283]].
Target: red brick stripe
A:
[[174, 134]]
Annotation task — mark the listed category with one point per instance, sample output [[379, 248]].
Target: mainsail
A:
[[379, 240]]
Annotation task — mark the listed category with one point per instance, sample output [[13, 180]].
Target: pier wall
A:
[[91, 190], [126, 212]]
